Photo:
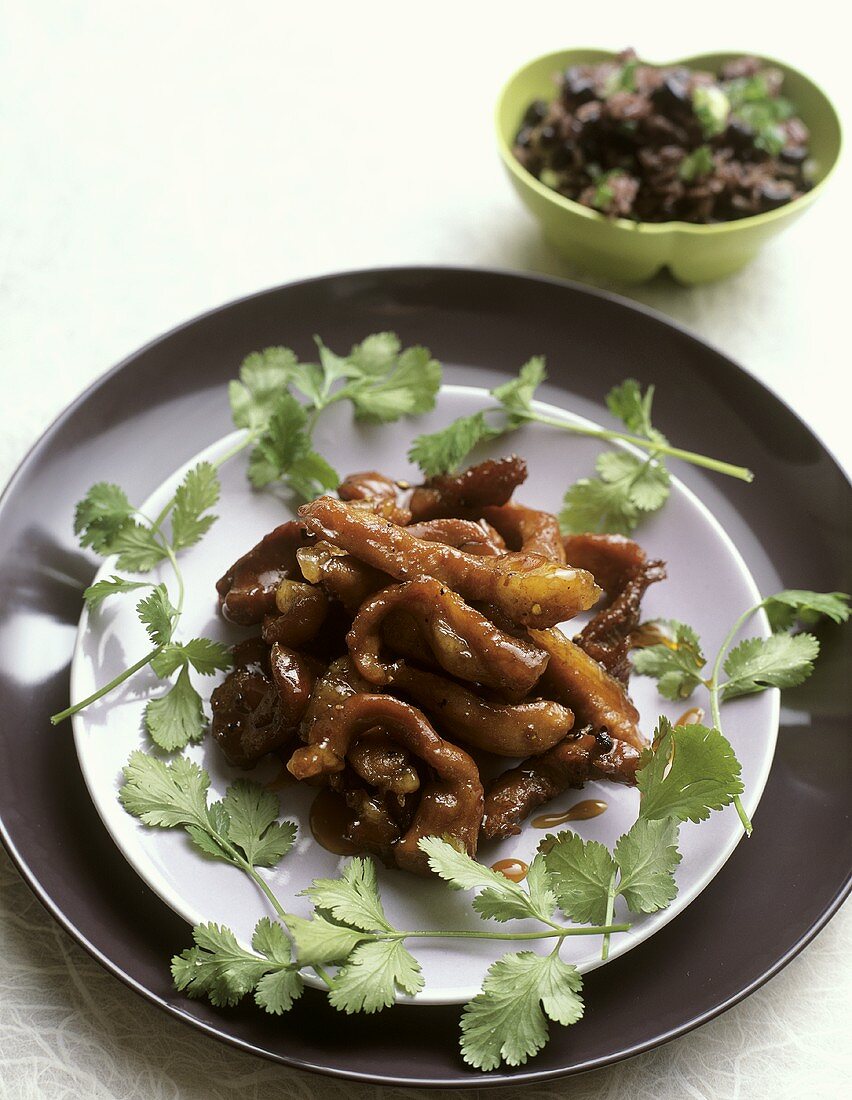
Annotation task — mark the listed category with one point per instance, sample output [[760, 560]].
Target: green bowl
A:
[[634, 251]]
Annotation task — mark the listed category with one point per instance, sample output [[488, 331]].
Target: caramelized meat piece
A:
[[302, 610], [472, 536], [247, 590], [512, 796], [611, 559], [577, 681], [528, 529], [607, 636], [294, 676], [506, 730], [491, 482], [451, 799], [343, 577], [382, 764], [528, 588], [338, 683], [248, 718], [380, 492], [463, 641]]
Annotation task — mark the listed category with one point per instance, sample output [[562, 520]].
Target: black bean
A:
[[577, 88], [562, 157], [793, 154], [775, 193], [673, 92], [535, 112], [524, 137], [548, 136]]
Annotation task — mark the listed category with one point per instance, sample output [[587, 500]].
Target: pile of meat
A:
[[668, 144], [408, 637]]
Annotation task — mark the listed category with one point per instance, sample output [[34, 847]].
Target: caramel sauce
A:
[[515, 870], [329, 818], [651, 633], [282, 779], [692, 717], [580, 811]]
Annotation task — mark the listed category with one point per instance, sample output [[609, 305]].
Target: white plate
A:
[[708, 586]]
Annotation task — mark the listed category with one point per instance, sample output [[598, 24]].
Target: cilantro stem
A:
[[714, 687], [558, 933], [610, 906], [106, 689], [652, 445]]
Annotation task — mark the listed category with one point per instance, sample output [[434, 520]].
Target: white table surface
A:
[[161, 158]]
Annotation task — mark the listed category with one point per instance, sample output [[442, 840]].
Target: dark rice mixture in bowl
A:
[[659, 144]]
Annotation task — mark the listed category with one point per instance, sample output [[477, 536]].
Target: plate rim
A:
[[387, 273]]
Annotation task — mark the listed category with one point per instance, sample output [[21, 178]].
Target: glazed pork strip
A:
[[466, 494], [463, 642], [451, 800], [512, 796], [247, 590], [607, 637], [505, 729], [528, 588], [577, 681], [527, 529]]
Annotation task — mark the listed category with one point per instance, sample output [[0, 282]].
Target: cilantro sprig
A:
[[277, 400], [627, 487], [784, 659]]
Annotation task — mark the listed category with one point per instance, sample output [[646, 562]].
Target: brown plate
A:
[[166, 402]]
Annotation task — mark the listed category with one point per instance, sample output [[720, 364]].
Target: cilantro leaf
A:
[[581, 874], [516, 395], [100, 515], [367, 982], [164, 795], [711, 108], [782, 661], [627, 402], [785, 608], [444, 451], [176, 718], [137, 547], [205, 656], [198, 491], [592, 504], [217, 967], [646, 856], [692, 771], [263, 375], [508, 1019], [353, 898], [157, 615], [284, 451], [321, 941], [696, 164], [253, 826], [676, 665], [409, 388], [376, 354], [96, 593]]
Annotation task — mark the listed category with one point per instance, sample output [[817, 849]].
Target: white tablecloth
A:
[[161, 158]]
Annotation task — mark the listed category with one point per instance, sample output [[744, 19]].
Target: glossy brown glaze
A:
[[577, 681], [512, 796], [330, 819], [385, 496], [450, 804], [692, 717], [339, 574], [302, 609], [608, 636], [527, 587], [515, 870], [519, 729], [471, 536], [580, 811], [463, 642], [490, 482], [527, 529], [611, 559], [247, 590]]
